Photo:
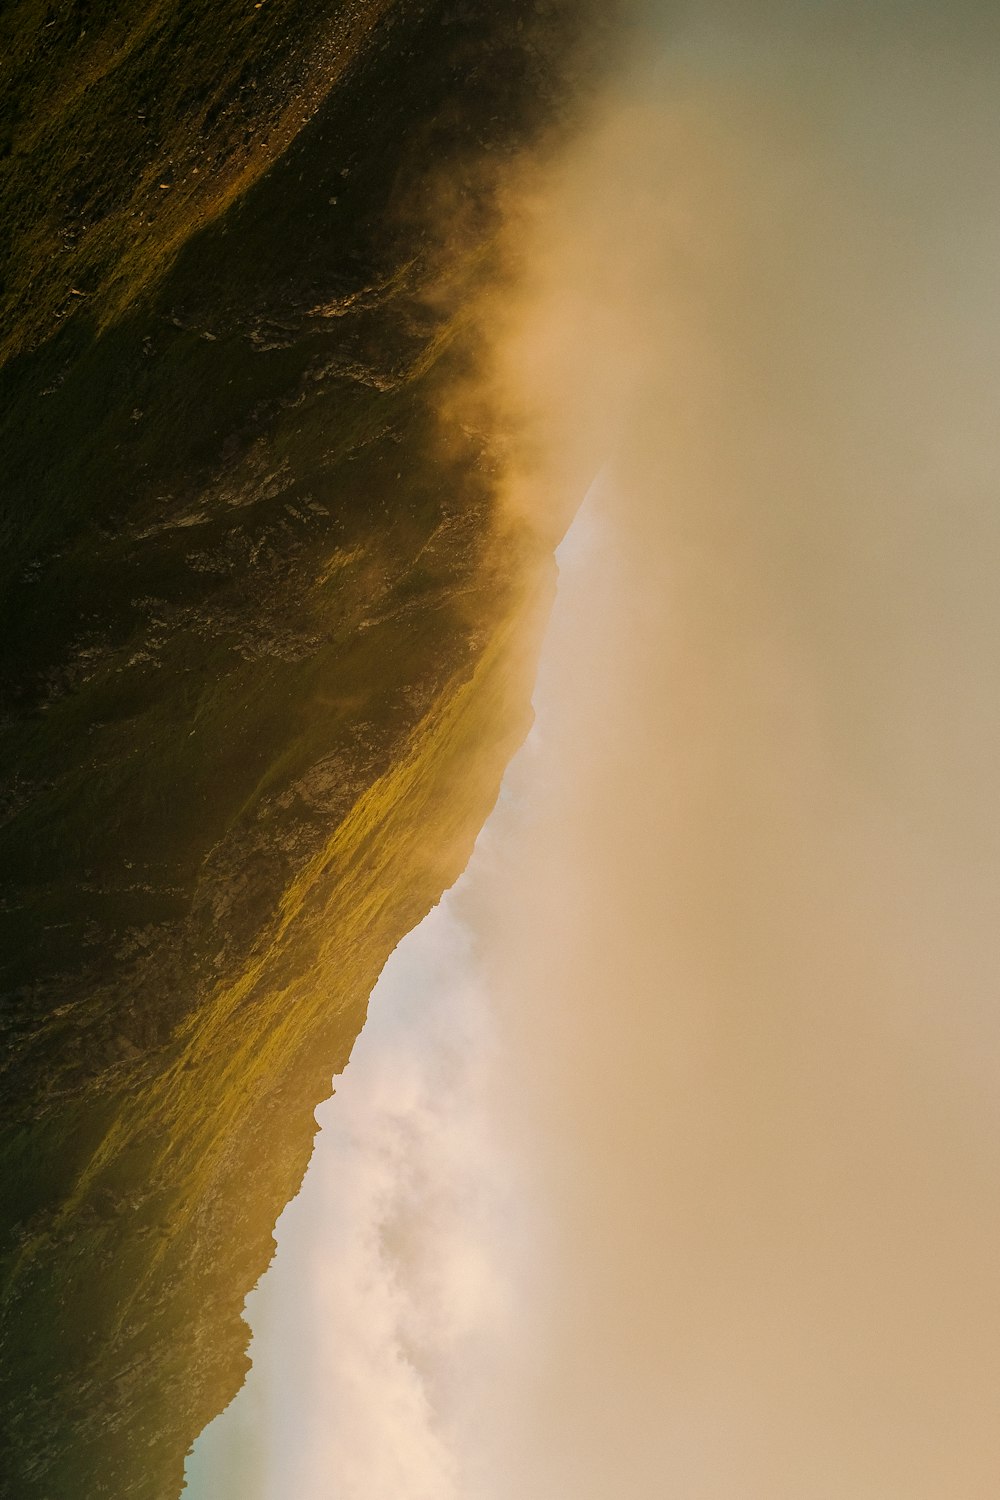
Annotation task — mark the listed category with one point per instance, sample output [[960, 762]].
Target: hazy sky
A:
[[706, 1108]]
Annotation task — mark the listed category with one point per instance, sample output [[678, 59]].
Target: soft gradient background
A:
[[736, 920]]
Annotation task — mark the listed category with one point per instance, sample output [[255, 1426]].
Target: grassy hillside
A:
[[265, 644], [125, 129]]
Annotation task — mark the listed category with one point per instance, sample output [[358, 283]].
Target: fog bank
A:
[[745, 934], [687, 1187]]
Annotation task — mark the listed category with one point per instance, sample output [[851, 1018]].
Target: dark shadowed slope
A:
[[266, 644]]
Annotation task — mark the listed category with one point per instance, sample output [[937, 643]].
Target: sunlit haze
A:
[[671, 1165]]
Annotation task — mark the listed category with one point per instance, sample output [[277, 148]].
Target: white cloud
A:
[[388, 1279]]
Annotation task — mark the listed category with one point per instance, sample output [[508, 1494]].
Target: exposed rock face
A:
[[266, 647]]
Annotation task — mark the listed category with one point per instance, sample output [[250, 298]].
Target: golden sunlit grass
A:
[[315, 966]]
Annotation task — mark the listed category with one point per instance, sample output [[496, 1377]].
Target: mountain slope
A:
[[266, 645]]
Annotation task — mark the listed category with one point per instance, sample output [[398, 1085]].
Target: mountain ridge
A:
[[266, 645]]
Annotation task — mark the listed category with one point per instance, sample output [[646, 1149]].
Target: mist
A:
[[744, 938], [720, 985]]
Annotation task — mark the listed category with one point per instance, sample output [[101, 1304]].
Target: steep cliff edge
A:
[[266, 644]]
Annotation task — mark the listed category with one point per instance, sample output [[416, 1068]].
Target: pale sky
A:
[[685, 1118]]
